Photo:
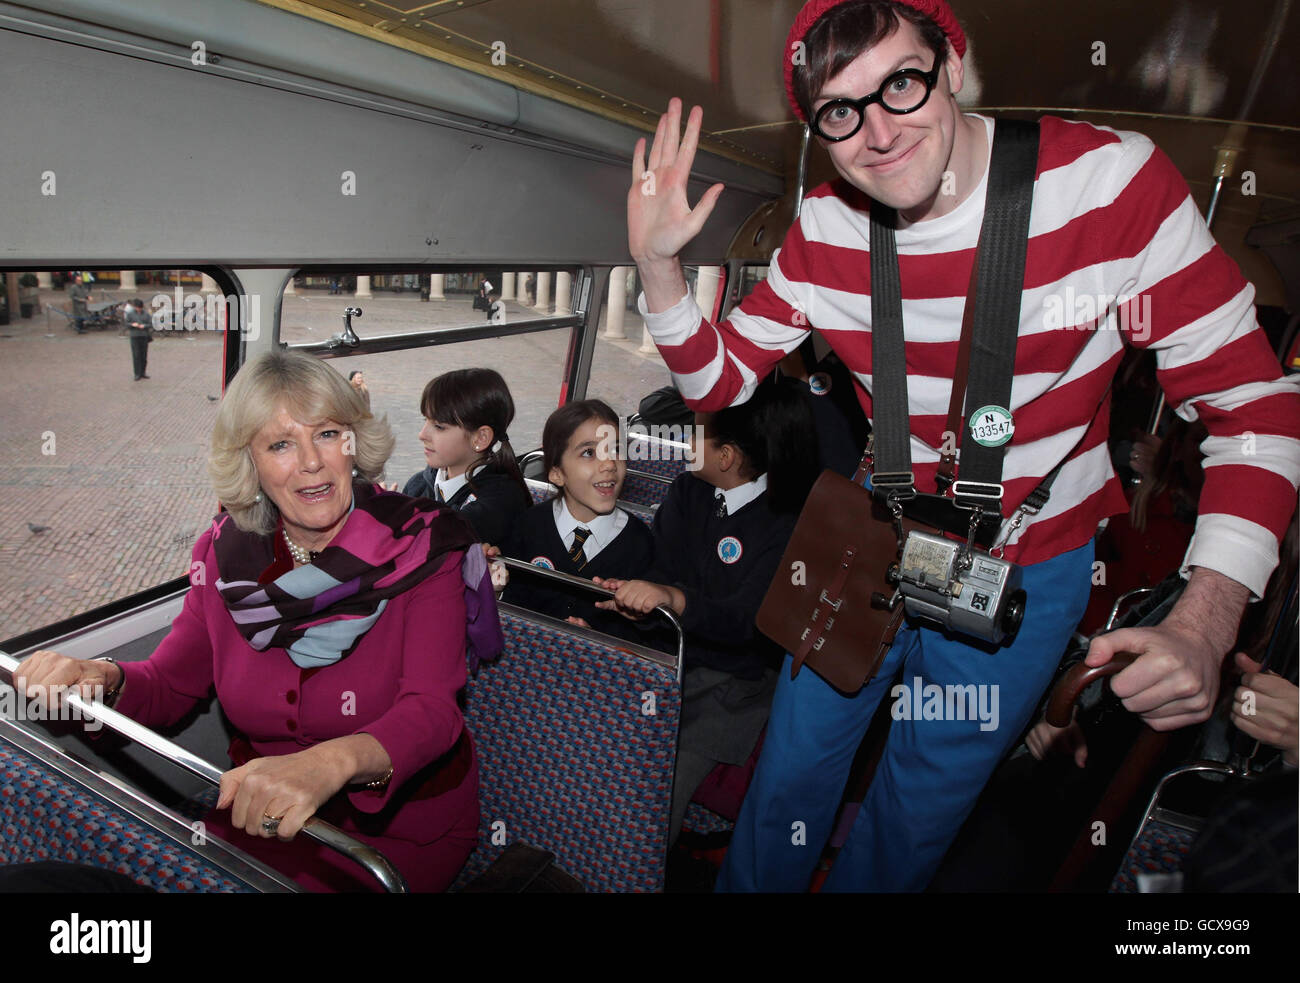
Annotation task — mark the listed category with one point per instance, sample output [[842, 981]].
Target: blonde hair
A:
[[310, 391]]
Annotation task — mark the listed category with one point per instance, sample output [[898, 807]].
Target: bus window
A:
[[393, 305], [106, 484], [626, 365], [750, 278], [413, 301]]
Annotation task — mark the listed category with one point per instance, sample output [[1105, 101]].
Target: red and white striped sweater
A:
[[1112, 218]]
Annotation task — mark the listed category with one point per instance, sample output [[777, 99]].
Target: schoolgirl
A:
[[581, 531], [719, 536], [471, 464]]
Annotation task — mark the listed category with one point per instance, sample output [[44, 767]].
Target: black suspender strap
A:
[[1004, 240], [890, 431]]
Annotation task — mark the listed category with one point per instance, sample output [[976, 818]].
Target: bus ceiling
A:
[[537, 107]]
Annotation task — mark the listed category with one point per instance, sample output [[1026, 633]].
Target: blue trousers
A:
[[932, 771]]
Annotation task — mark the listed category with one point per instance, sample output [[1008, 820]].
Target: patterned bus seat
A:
[[652, 455], [45, 816], [645, 490], [576, 741]]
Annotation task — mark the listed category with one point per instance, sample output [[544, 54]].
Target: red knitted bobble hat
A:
[[937, 10]]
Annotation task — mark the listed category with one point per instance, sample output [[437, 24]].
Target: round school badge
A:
[[543, 562], [729, 549], [991, 426], [819, 383]]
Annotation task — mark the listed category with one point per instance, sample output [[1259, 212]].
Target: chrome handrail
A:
[[1201, 766], [653, 477], [583, 584], [1127, 596], [375, 863]]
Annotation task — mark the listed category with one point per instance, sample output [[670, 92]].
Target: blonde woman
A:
[[331, 617]]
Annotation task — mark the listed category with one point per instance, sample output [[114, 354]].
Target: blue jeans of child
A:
[[932, 770]]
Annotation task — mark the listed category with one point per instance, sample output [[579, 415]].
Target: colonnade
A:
[[513, 288]]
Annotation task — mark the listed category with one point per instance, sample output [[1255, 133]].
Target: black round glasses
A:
[[903, 92]]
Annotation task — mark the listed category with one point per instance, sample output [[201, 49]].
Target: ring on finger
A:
[[270, 824]]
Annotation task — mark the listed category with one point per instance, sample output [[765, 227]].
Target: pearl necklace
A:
[[299, 554]]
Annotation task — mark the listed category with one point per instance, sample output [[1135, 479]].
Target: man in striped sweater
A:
[[1117, 254]]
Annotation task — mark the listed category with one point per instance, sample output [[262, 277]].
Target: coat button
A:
[[291, 697], [292, 725]]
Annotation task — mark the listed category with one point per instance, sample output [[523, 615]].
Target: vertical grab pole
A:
[[803, 170], [1225, 161]]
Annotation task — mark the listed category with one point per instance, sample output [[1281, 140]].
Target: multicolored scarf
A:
[[320, 611]]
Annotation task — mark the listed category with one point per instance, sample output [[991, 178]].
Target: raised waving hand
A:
[[660, 220]]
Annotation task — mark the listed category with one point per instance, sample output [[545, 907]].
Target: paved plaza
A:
[[116, 469]]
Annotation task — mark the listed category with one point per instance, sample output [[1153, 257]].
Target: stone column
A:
[[648, 346], [44, 281], [13, 291], [647, 343], [508, 286], [209, 284], [436, 283], [127, 278], [563, 293], [616, 303], [543, 304], [706, 288], [363, 287]]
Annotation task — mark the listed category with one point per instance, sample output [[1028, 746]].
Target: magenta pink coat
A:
[[399, 685]]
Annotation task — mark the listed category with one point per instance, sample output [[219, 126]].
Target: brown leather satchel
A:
[[828, 604], [820, 605]]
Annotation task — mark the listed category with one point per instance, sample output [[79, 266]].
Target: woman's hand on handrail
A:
[[46, 676], [292, 787]]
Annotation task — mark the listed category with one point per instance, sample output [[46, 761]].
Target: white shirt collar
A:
[[604, 528], [740, 496], [450, 486]]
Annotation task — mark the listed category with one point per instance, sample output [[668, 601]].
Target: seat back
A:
[[576, 735], [540, 490], [649, 453], [645, 489], [54, 809]]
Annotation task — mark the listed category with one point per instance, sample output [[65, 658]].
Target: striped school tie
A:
[[576, 552]]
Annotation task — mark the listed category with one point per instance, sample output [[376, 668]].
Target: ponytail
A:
[[499, 457], [776, 434]]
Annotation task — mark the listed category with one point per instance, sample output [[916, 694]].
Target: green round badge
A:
[[991, 426]]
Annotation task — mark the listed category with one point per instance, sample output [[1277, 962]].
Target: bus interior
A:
[[340, 177]]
